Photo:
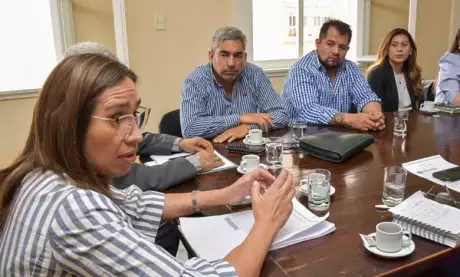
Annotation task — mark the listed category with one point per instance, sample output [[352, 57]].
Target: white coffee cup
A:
[[254, 136], [250, 163], [427, 105], [391, 237]]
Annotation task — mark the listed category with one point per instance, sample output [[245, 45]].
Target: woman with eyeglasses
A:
[[59, 215], [396, 77], [448, 80]]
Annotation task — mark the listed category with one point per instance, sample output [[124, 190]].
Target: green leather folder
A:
[[335, 146]]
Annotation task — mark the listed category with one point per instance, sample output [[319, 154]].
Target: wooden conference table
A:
[[358, 182]]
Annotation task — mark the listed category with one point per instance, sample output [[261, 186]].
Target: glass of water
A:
[[299, 130], [394, 184], [400, 123], [275, 169], [274, 151], [318, 182]]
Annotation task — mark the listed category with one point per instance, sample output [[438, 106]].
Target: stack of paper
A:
[[161, 159], [425, 167], [429, 219], [214, 237]]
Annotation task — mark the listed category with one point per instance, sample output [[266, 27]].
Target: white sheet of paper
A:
[[161, 159], [218, 228], [299, 220], [425, 167], [214, 237]]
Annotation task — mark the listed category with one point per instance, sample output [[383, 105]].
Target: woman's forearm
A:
[[180, 204], [249, 256]]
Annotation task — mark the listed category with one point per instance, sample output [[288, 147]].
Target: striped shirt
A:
[[207, 112], [310, 96], [57, 229]]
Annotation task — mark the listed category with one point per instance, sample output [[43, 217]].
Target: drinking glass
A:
[[394, 184], [274, 151], [299, 130], [400, 123], [318, 182]]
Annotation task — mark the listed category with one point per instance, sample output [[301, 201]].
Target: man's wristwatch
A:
[[338, 118]]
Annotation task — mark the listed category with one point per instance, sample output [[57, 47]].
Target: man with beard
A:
[[324, 88], [228, 96]]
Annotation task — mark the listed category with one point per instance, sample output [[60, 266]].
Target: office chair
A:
[[429, 91], [170, 124]]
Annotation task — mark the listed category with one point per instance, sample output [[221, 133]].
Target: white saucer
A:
[[240, 170], [264, 140], [433, 110], [391, 255], [304, 189]]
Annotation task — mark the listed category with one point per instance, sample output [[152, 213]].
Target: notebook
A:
[[429, 219], [447, 108], [161, 159], [213, 237]]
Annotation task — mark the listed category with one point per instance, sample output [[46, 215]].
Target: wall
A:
[[455, 21], [93, 21], [385, 16], [278, 83], [164, 58], [433, 27], [15, 118], [432, 34]]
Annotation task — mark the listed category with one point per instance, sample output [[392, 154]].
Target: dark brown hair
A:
[[411, 67], [60, 123], [454, 49], [342, 27]]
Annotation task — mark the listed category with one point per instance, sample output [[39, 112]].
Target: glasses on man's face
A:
[[125, 123]]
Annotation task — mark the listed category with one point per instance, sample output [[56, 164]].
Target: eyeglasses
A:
[[126, 122], [443, 197]]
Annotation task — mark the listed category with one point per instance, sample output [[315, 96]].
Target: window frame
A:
[[360, 12], [64, 36], [61, 35]]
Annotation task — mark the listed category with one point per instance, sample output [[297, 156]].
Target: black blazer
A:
[[382, 81]]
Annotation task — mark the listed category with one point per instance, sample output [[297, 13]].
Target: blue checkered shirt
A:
[[206, 112], [309, 95]]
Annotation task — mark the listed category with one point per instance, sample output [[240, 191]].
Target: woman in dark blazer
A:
[[396, 77]]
